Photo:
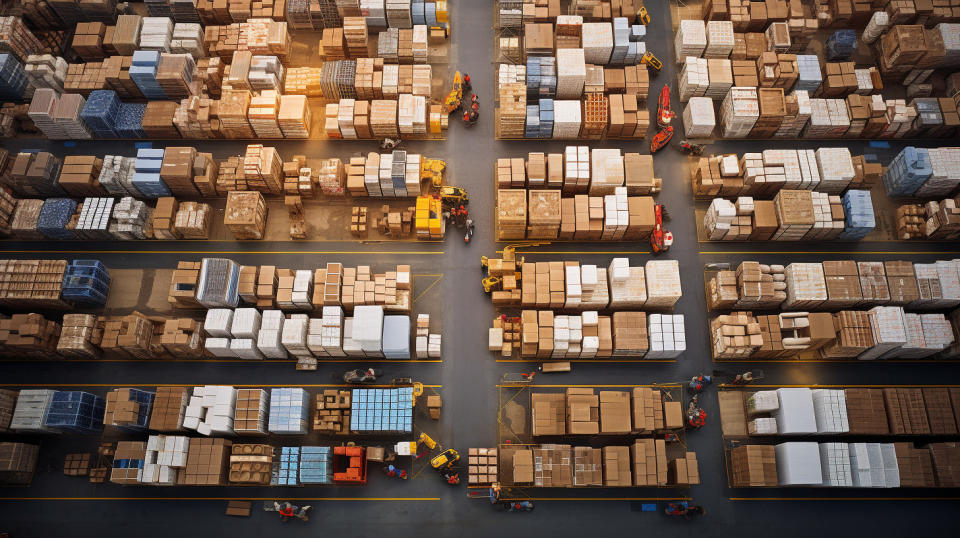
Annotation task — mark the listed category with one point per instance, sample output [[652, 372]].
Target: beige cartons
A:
[[719, 219], [698, 118], [607, 171], [576, 175], [663, 283], [735, 336], [806, 286]]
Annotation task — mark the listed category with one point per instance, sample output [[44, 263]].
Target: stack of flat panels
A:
[[289, 408]]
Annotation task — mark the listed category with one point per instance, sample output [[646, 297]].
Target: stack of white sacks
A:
[[864, 465], [165, 456], [211, 410], [698, 118]]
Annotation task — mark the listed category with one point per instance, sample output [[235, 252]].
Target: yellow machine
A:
[[492, 283], [445, 459], [455, 97], [642, 15], [650, 60], [428, 219], [432, 169], [453, 196], [427, 441]]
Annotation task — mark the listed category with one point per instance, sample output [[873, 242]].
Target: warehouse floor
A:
[[468, 374]]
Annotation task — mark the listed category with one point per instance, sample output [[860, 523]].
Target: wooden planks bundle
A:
[[32, 283]]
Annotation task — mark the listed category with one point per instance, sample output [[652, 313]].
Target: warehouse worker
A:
[[395, 472], [698, 382], [696, 416], [466, 82], [287, 511], [743, 379]]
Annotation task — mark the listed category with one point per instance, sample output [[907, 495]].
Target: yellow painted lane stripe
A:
[[580, 251], [840, 361], [651, 361], [843, 386], [596, 499], [221, 361], [539, 386]]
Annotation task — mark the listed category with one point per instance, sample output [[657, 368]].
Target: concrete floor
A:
[[424, 506]]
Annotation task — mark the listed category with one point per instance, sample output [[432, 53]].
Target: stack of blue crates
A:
[[841, 44], [146, 173], [546, 118], [13, 79], [382, 410], [54, 216], [86, 282], [130, 120], [288, 473], [101, 113], [907, 172], [541, 77], [859, 216], [532, 128], [143, 73], [289, 408], [76, 411], [418, 12], [316, 465], [809, 76]]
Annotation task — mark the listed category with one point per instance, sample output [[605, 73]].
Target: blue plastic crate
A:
[[101, 113], [76, 411], [130, 120], [841, 44], [858, 213], [907, 172]]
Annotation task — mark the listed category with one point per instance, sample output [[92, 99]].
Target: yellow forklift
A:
[[494, 283]]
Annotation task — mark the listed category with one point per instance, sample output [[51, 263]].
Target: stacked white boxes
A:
[[719, 218], [616, 214], [517, 73], [289, 409], [945, 173], [691, 39], [666, 335], [628, 285], [244, 329], [350, 347], [165, 455], [597, 42], [568, 118], [268, 337], [396, 337], [156, 33], [806, 286], [825, 227], [218, 322], [836, 169], [368, 329], [302, 289], [421, 51], [411, 177], [763, 401], [94, 217], [874, 465], [187, 38], [937, 332], [266, 73], [861, 468], [211, 410], [30, 413], [694, 78], [739, 112], [698, 118], [762, 426], [792, 126], [576, 167], [589, 345], [949, 273], [331, 335], [889, 333], [293, 336], [663, 283], [835, 464], [116, 175], [218, 347], [795, 415], [371, 174], [571, 73], [798, 464], [830, 408]]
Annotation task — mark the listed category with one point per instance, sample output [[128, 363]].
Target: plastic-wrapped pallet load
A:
[[663, 283], [698, 118], [806, 286], [54, 217], [694, 78], [830, 409], [720, 39], [889, 332], [219, 279], [289, 411], [835, 464], [628, 288], [858, 214], [836, 169], [571, 73], [316, 465], [396, 337], [944, 173], [13, 78], [368, 329], [218, 322], [764, 401], [795, 415], [567, 119], [691, 39], [739, 112], [798, 464], [76, 412], [597, 42]]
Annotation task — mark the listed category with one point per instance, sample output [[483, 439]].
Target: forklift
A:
[[660, 240], [492, 283], [445, 464]]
